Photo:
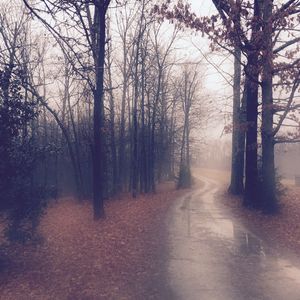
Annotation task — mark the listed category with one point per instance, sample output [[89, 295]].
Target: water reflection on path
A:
[[213, 257]]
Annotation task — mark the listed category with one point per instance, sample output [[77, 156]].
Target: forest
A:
[[81, 117], [266, 34], [102, 100]]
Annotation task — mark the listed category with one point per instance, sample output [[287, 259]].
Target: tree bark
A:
[[122, 146], [80, 188], [251, 168], [98, 155], [251, 194], [268, 164], [143, 172], [112, 126], [184, 180], [134, 157], [237, 165]]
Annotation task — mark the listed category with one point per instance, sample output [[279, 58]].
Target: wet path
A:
[[213, 257]]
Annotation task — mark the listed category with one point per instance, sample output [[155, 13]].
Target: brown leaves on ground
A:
[[119, 257], [281, 230]]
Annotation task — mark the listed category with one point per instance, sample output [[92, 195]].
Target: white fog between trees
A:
[[104, 97]]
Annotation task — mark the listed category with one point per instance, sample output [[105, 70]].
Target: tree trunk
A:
[[98, 155], [242, 137], [153, 123], [134, 158], [135, 144], [112, 126], [122, 147], [172, 143], [251, 169], [184, 180], [135, 153], [237, 169], [268, 164], [251, 195], [149, 142], [80, 188], [143, 173]]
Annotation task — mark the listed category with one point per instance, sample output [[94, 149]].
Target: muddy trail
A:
[[212, 256]]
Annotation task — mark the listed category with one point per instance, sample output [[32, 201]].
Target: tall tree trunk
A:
[[237, 166], [98, 155], [251, 168], [268, 164], [80, 188], [172, 142], [143, 173], [135, 147], [112, 125], [135, 153], [134, 157], [182, 164], [128, 174], [152, 148], [184, 180], [149, 143], [242, 137], [251, 195], [188, 155], [152, 157], [122, 145]]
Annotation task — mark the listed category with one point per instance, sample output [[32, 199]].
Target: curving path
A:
[[212, 256]]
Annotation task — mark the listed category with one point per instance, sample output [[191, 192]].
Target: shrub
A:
[[185, 178], [21, 199]]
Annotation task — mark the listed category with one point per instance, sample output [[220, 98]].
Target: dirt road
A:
[[212, 256]]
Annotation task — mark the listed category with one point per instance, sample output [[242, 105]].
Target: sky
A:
[[215, 84], [202, 6], [192, 47]]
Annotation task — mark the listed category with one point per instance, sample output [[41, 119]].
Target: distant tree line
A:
[[92, 104], [263, 38]]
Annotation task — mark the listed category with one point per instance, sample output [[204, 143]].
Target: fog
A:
[[142, 142]]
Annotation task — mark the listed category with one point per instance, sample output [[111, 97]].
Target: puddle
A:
[[209, 248], [219, 224], [248, 244], [289, 270]]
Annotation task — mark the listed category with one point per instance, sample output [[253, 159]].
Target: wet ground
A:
[[214, 257]]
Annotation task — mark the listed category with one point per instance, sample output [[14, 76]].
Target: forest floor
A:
[[119, 257], [281, 231], [124, 255]]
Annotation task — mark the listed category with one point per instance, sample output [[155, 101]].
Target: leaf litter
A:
[[119, 257]]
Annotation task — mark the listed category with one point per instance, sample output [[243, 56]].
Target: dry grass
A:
[[119, 257]]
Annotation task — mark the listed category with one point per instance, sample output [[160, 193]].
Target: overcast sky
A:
[[215, 83], [202, 7]]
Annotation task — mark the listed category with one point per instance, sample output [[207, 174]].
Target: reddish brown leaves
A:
[[115, 258]]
